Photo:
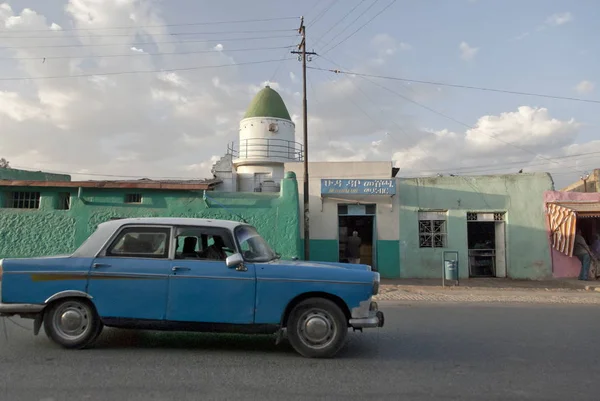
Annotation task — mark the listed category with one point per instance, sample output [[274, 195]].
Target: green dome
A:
[[267, 103]]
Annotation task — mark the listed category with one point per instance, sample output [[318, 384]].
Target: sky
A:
[[102, 89]]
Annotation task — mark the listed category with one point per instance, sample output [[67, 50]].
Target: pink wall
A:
[[562, 265]]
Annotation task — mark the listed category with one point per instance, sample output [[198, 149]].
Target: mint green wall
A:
[[14, 174], [388, 258], [324, 250], [519, 195], [46, 231]]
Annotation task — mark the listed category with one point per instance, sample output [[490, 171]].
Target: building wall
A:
[[15, 174], [47, 231], [591, 184], [323, 215], [564, 266], [519, 195]]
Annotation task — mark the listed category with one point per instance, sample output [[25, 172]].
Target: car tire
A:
[[72, 323], [317, 328]]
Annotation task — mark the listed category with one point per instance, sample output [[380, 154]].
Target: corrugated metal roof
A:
[[583, 209], [132, 184]]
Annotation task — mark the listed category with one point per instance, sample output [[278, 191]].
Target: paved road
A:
[[425, 352]]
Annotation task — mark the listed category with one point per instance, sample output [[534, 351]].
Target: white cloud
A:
[[386, 45], [585, 87], [55, 27], [559, 19], [467, 52], [135, 49], [293, 77], [218, 47]]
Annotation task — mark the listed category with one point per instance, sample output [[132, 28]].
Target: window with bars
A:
[[64, 201], [23, 200], [432, 229], [133, 198]]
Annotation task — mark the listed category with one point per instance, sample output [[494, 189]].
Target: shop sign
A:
[[358, 187]]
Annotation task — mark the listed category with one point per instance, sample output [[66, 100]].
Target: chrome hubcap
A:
[[71, 320], [317, 329]]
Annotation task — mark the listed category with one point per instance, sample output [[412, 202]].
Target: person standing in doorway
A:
[[353, 248], [584, 254]]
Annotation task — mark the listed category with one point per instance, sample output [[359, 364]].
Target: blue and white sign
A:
[[358, 187]]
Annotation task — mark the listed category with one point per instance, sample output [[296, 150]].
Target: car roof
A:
[[174, 221]]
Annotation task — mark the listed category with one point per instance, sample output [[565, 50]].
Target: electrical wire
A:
[[156, 26], [459, 86], [148, 43], [149, 34], [139, 72], [136, 54], [360, 27], [350, 24], [319, 16], [451, 118], [322, 36]]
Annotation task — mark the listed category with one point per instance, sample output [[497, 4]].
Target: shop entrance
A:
[[360, 218], [486, 243]]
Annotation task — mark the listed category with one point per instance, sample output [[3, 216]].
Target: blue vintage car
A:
[[189, 275]]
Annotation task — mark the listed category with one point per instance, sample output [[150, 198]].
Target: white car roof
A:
[[182, 221]]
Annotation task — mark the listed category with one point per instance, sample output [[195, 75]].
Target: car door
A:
[[203, 289], [130, 276]]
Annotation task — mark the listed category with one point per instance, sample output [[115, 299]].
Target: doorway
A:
[[486, 244], [360, 218]]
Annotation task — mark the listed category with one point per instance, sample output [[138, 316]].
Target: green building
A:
[[43, 214]]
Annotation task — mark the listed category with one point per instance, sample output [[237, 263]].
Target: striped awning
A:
[[563, 221]]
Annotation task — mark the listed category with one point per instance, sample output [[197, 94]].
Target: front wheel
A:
[[317, 328], [72, 323]]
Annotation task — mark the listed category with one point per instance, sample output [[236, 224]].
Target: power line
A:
[[460, 86], [360, 27], [153, 34], [156, 26], [140, 72], [350, 24], [452, 118], [136, 54], [339, 21], [148, 43], [319, 16]]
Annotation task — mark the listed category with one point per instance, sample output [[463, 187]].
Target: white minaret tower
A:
[[267, 141]]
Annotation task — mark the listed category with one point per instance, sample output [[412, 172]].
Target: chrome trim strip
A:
[[212, 277], [68, 293], [49, 272], [301, 280], [20, 308], [123, 274], [366, 322]]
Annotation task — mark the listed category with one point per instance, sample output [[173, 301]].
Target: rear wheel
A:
[[317, 328], [72, 323]]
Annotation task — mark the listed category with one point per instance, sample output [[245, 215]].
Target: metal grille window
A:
[[23, 200], [64, 201], [133, 198], [432, 229]]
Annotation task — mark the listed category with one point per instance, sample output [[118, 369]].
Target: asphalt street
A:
[[426, 352]]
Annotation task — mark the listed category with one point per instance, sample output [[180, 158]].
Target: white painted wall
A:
[[324, 223], [257, 128]]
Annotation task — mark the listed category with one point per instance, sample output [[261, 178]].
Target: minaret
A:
[[266, 142]]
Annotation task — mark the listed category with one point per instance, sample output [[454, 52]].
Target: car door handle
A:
[[179, 268], [98, 265]]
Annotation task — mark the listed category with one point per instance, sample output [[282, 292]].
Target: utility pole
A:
[[302, 53]]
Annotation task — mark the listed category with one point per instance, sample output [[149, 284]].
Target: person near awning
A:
[[596, 245], [584, 254]]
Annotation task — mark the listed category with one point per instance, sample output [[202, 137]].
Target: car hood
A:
[[327, 265]]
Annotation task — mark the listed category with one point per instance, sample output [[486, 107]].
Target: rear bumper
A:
[[375, 319], [17, 309]]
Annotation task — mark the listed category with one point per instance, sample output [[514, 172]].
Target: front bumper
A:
[[18, 309], [375, 319]]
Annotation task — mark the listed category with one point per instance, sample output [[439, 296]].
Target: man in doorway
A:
[[353, 248], [584, 254]]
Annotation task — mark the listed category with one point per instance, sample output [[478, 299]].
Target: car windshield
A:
[[254, 248]]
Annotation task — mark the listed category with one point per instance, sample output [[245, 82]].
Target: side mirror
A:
[[234, 260]]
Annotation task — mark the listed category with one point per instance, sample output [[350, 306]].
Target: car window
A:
[[203, 243], [141, 242]]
